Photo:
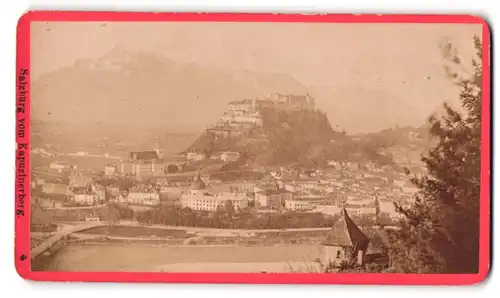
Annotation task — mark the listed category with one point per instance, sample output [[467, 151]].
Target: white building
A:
[[359, 211], [353, 166], [328, 209], [58, 166], [242, 117], [273, 199], [143, 196], [100, 192], [211, 202], [109, 170], [197, 198], [196, 156], [370, 165], [292, 187], [297, 205], [228, 156], [245, 105], [330, 189], [307, 183], [92, 217], [335, 164], [85, 197]]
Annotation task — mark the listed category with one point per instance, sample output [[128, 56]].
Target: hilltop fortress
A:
[[242, 127], [244, 115]]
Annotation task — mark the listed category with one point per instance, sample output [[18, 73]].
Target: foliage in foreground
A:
[[441, 234]]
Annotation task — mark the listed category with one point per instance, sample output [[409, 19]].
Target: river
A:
[[135, 258]]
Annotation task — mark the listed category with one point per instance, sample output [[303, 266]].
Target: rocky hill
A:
[[285, 137], [302, 137], [120, 97]]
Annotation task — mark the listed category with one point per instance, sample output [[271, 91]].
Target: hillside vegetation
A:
[[298, 137]]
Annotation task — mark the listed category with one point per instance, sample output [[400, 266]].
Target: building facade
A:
[[196, 156], [297, 205], [84, 196], [293, 101], [212, 202], [110, 170], [143, 164], [80, 179], [198, 198], [245, 105], [272, 199], [229, 156], [141, 195], [243, 117]]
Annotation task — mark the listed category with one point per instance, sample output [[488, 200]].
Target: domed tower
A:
[[197, 185]]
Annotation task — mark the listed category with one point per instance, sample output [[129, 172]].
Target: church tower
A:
[[197, 185]]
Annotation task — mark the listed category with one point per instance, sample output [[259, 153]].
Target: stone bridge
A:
[[48, 243]]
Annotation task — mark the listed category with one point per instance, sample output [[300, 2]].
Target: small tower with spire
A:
[[197, 185], [377, 210], [345, 243]]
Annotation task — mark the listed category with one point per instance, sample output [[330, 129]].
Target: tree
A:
[[172, 168], [228, 210], [442, 230], [114, 215]]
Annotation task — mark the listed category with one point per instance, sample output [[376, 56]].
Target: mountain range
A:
[[145, 88]]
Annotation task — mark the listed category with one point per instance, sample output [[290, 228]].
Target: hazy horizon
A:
[[400, 64]]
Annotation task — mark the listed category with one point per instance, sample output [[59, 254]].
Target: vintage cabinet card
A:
[[253, 148]]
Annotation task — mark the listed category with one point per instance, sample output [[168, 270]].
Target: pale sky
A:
[[402, 59]]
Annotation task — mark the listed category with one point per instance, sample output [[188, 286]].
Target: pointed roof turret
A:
[[197, 182], [346, 233]]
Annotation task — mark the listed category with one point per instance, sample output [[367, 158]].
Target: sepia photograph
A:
[[255, 147]]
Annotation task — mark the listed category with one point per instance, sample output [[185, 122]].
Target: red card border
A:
[[22, 236]]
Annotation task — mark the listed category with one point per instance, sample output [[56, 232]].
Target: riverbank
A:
[[83, 238], [200, 236], [148, 236], [109, 257]]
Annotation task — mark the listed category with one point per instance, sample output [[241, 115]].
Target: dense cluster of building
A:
[[82, 189], [360, 188]]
